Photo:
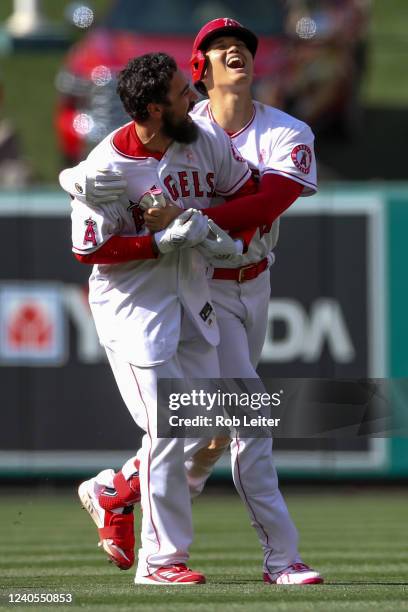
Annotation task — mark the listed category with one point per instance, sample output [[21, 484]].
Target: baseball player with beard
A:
[[280, 151], [149, 297]]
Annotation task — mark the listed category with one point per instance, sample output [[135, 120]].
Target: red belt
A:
[[241, 275]]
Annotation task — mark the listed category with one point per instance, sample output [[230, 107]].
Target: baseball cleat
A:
[[115, 528], [297, 573], [173, 575]]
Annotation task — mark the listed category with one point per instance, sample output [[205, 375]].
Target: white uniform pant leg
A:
[[198, 359], [242, 314], [256, 481], [242, 319], [166, 522], [204, 364], [233, 357], [255, 296]]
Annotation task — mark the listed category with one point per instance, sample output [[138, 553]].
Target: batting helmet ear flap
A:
[[198, 63]]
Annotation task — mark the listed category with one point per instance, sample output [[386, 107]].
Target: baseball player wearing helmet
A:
[[149, 297], [279, 149]]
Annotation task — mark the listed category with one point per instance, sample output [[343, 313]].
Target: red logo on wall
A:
[[29, 327], [32, 324]]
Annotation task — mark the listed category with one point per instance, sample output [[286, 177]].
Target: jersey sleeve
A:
[[275, 194], [234, 171], [72, 180], [92, 227], [293, 157]]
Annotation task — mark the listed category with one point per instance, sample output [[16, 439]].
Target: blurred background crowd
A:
[[338, 65]]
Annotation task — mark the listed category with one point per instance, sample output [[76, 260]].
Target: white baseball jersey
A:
[[136, 305], [272, 142]]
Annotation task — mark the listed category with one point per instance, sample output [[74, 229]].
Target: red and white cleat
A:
[[297, 573], [115, 529], [174, 575]]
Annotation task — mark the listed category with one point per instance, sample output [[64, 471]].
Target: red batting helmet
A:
[[212, 29]]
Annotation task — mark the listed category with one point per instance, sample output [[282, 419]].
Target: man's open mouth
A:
[[235, 61]]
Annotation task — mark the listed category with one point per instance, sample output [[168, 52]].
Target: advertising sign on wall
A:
[[326, 320]]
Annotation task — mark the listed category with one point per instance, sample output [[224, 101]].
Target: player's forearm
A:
[[120, 249], [276, 193]]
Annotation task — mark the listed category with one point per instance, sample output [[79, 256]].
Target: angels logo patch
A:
[[231, 23], [302, 158], [90, 232]]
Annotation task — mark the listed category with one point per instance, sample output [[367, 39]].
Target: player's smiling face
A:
[[230, 63], [176, 122], [181, 97]]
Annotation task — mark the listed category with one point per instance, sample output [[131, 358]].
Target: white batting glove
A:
[[218, 244], [188, 230], [100, 187]]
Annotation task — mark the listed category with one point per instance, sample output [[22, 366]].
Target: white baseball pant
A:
[[242, 318], [167, 531]]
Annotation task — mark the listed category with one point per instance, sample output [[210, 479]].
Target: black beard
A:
[[185, 131]]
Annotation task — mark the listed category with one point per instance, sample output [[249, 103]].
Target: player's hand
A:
[[157, 219], [218, 244], [189, 229], [101, 187], [104, 186]]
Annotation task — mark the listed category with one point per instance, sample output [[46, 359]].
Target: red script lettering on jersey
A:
[[189, 183]]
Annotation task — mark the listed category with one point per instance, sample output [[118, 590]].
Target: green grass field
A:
[[357, 540]]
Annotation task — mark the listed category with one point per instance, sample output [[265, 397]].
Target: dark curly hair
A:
[[145, 79]]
